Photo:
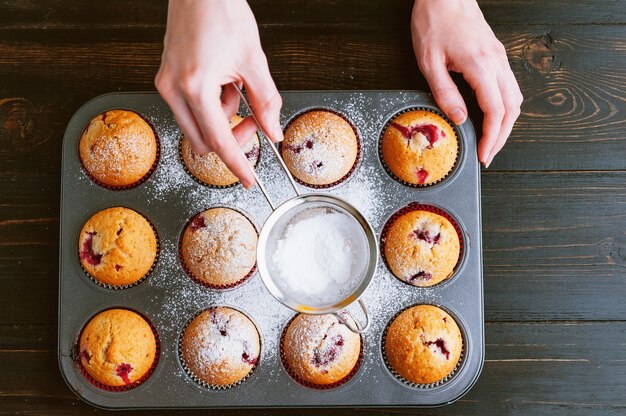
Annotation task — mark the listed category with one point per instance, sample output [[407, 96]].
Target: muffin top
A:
[[219, 247], [117, 347], [319, 349], [420, 147], [421, 248], [221, 346], [118, 148], [208, 168], [319, 148], [117, 246], [423, 344]]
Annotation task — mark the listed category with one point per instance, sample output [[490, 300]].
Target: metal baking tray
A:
[[168, 298]]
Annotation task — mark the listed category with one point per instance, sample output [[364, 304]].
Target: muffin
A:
[[209, 168], [218, 247], [423, 344], [421, 248], [419, 147], [319, 349], [117, 347], [220, 347], [320, 148], [118, 148], [117, 246]]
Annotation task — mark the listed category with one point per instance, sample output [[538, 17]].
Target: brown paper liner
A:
[[191, 374], [388, 169], [202, 282], [127, 387], [140, 180], [415, 206], [308, 384], [408, 382], [358, 149], [200, 181], [136, 282]]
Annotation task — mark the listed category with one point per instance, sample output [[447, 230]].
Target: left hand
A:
[[452, 35]]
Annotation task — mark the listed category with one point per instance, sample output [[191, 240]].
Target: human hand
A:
[[208, 45], [452, 35]]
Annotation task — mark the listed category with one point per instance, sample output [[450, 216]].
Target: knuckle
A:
[[272, 103]]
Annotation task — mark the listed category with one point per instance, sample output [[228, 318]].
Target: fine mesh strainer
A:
[[301, 207]]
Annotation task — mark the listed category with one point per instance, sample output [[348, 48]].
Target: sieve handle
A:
[[271, 145], [356, 328]]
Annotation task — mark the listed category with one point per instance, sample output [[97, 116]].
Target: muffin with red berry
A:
[[117, 247], [419, 147], [320, 148], [319, 349], [423, 344], [220, 347], [209, 169], [117, 348], [218, 247], [421, 248], [118, 148]]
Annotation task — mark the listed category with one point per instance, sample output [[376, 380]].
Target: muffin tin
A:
[[168, 298]]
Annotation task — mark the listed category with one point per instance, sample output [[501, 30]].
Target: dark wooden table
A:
[[554, 201]]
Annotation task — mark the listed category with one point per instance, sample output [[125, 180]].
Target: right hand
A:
[[208, 45]]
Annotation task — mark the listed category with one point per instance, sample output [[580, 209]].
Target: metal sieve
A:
[[301, 207]]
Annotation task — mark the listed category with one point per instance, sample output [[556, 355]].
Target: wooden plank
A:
[[545, 368], [572, 78], [29, 14], [554, 247]]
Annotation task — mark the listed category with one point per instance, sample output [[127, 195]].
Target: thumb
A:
[[446, 93], [265, 98]]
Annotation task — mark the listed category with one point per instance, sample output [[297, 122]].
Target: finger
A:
[[216, 130], [489, 99], [244, 131], [187, 123], [510, 97], [230, 100], [264, 97], [445, 91]]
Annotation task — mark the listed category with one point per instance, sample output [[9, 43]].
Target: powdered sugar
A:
[[320, 257]]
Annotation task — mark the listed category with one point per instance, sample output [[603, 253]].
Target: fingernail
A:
[[277, 132], [458, 116]]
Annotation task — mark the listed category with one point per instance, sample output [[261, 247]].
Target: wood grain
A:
[[574, 96], [29, 14]]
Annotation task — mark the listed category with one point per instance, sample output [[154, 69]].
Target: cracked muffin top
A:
[[118, 148], [117, 246], [423, 344], [421, 248], [319, 148], [221, 346], [117, 347], [319, 349], [420, 147], [219, 247], [209, 169]]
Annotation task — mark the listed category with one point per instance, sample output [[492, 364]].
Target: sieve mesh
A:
[[345, 226]]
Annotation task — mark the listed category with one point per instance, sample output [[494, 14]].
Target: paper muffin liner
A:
[[200, 181], [388, 169], [140, 180], [421, 386], [358, 149], [198, 380], [308, 384], [127, 387], [136, 282], [201, 282], [416, 206]]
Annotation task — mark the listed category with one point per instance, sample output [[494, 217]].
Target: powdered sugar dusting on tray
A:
[[171, 186]]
